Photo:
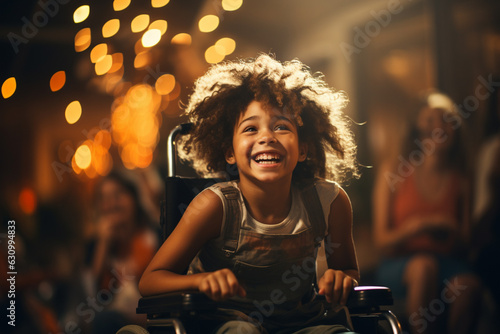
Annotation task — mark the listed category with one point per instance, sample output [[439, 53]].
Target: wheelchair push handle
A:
[[180, 129]]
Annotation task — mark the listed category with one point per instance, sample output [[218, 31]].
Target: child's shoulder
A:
[[221, 189], [220, 186]]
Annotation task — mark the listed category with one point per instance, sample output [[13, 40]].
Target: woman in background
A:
[[124, 243], [421, 213]]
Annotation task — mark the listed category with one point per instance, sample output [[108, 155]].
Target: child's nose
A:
[[267, 136]]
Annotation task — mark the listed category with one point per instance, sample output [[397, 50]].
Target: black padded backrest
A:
[[179, 192]]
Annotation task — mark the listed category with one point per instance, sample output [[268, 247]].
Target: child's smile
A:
[[266, 145], [267, 158]]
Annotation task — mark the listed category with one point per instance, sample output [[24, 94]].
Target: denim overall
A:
[[277, 271]]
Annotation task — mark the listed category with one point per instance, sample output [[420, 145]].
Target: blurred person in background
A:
[[125, 241], [421, 222]]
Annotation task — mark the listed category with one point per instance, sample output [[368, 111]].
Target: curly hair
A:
[[225, 91]]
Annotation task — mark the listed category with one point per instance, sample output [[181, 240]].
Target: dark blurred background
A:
[[383, 54]]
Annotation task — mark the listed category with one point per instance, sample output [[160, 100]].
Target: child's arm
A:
[[201, 222], [343, 274]]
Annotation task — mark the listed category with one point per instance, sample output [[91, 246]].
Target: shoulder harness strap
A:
[[231, 231], [314, 210]]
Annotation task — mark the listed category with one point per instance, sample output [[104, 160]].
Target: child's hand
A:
[[336, 286], [221, 285]]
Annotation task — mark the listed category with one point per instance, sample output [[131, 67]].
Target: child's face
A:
[[266, 145]]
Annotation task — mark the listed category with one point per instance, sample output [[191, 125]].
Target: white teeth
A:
[[267, 158]]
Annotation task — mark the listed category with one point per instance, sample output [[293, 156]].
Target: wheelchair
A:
[[180, 312]]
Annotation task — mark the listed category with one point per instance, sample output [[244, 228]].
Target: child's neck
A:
[[267, 203]]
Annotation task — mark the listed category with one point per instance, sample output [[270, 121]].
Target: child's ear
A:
[[230, 157], [302, 152]]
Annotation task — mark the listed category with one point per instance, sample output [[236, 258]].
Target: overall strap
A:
[[232, 218], [314, 209], [232, 214]]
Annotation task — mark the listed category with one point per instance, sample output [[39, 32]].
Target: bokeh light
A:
[[151, 38], [117, 59], [181, 39], [135, 122], [139, 23], [82, 40], [212, 56], [159, 3], [119, 5], [98, 52], [103, 138], [175, 93], [165, 84], [160, 25], [208, 23], [225, 46], [81, 13], [57, 81], [110, 28], [83, 156], [73, 112], [142, 60], [27, 200], [9, 87], [104, 65], [231, 5]]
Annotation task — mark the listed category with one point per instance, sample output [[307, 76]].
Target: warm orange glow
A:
[[110, 28], [119, 5], [98, 52], [140, 23], [135, 122], [103, 138], [90, 172], [182, 39], [212, 56], [9, 87], [159, 3], [174, 94], [117, 62], [231, 5], [165, 84], [160, 25], [208, 23], [104, 65], [73, 112], [57, 81], [82, 40], [142, 60], [151, 38], [27, 200], [135, 156], [81, 13], [113, 80], [83, 156], [225, 46], [103, 163], [75, 167]]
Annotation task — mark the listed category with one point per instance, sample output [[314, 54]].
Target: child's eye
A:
[[281, 127], [249, 129]]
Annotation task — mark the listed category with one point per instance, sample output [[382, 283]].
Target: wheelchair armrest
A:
[[366, 298], [189, 301]]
